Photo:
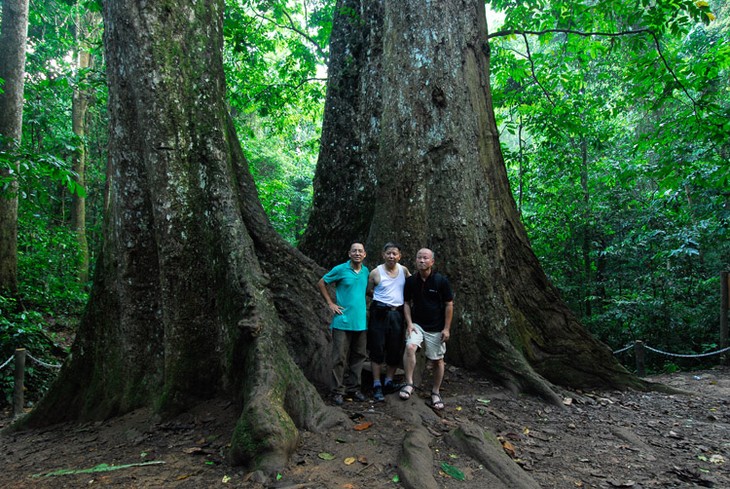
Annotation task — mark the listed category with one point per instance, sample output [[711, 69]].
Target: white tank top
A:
[[390, 290]]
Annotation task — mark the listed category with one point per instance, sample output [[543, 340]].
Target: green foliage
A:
[[24, 329], [617, 152], [283, 174], [275, 56]]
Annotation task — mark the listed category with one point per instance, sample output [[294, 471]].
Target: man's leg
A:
[[409, 366], [393, 346], [358, 355], [438, 375], [339, 362]]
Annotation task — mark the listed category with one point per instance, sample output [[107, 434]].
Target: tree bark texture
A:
[[13, 37], [195, 295], [440, 181], [344, 182]]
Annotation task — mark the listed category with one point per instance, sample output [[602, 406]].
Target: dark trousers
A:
[[348, 356]]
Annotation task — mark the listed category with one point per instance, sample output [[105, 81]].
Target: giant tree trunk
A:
[[440, 181], [194, 292], [13, 37]]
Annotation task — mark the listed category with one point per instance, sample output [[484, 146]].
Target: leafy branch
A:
[[525, 33], [293, 27]]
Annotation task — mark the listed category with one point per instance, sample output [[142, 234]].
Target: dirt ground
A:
[[596, 440]]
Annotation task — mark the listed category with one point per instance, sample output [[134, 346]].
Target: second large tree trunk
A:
[[440, 181], [195, 295]]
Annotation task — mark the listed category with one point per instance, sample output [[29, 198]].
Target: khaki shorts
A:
[[435, 348]]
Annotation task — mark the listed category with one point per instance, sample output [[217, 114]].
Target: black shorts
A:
[[385, 335]]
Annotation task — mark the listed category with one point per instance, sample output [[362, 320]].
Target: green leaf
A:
[[453, 471]]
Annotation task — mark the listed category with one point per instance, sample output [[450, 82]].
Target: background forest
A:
[[616, 140]]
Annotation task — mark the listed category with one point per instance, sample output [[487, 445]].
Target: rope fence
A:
[[19, 385], [640, 347], [21, 354]]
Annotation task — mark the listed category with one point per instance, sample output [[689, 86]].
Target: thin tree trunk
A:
[[79, 110], [13, 37]]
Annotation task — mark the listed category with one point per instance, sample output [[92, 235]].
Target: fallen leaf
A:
[[396, 479], [484, 401], [508, 447], [567, 401], [526, 431], [348, 486], [226, 479], [350, 460], [362, 459], [458, 408], [363, 426], [453, 471], [326, 456]]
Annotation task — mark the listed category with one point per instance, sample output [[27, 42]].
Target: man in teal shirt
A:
[[349, 323]]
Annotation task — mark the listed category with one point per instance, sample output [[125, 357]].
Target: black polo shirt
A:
[[428, 300]]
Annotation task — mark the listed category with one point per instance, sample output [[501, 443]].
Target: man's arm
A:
[[373, 280], [325, 293], [407, 317], [448, 315]]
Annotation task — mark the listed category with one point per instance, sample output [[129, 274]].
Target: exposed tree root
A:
[[415, 465], [278, 401], [485, 448]]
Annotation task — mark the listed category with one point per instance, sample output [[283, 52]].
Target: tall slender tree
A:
[[85, 23], [13, 37]]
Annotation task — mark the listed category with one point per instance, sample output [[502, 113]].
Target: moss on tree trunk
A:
[[195, 295]]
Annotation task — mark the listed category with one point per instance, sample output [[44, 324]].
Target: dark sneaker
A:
[[337, 398], [391, 387], [358, 396], [378, 394]]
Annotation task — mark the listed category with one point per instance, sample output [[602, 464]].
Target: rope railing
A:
[[679, 355], [20, 356], [42, 363], [6, 363], [640, 347]]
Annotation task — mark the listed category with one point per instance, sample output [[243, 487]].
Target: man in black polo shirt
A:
[[428, 309]]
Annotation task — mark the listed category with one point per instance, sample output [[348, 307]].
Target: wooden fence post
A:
[[639, 350], [18, 400], [724, 300]]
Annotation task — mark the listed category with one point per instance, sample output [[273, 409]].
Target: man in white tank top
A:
[[385, 328]]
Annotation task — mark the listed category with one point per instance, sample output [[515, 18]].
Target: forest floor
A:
[[596, 440]]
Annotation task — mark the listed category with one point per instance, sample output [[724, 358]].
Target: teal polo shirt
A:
[[350, 287]]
